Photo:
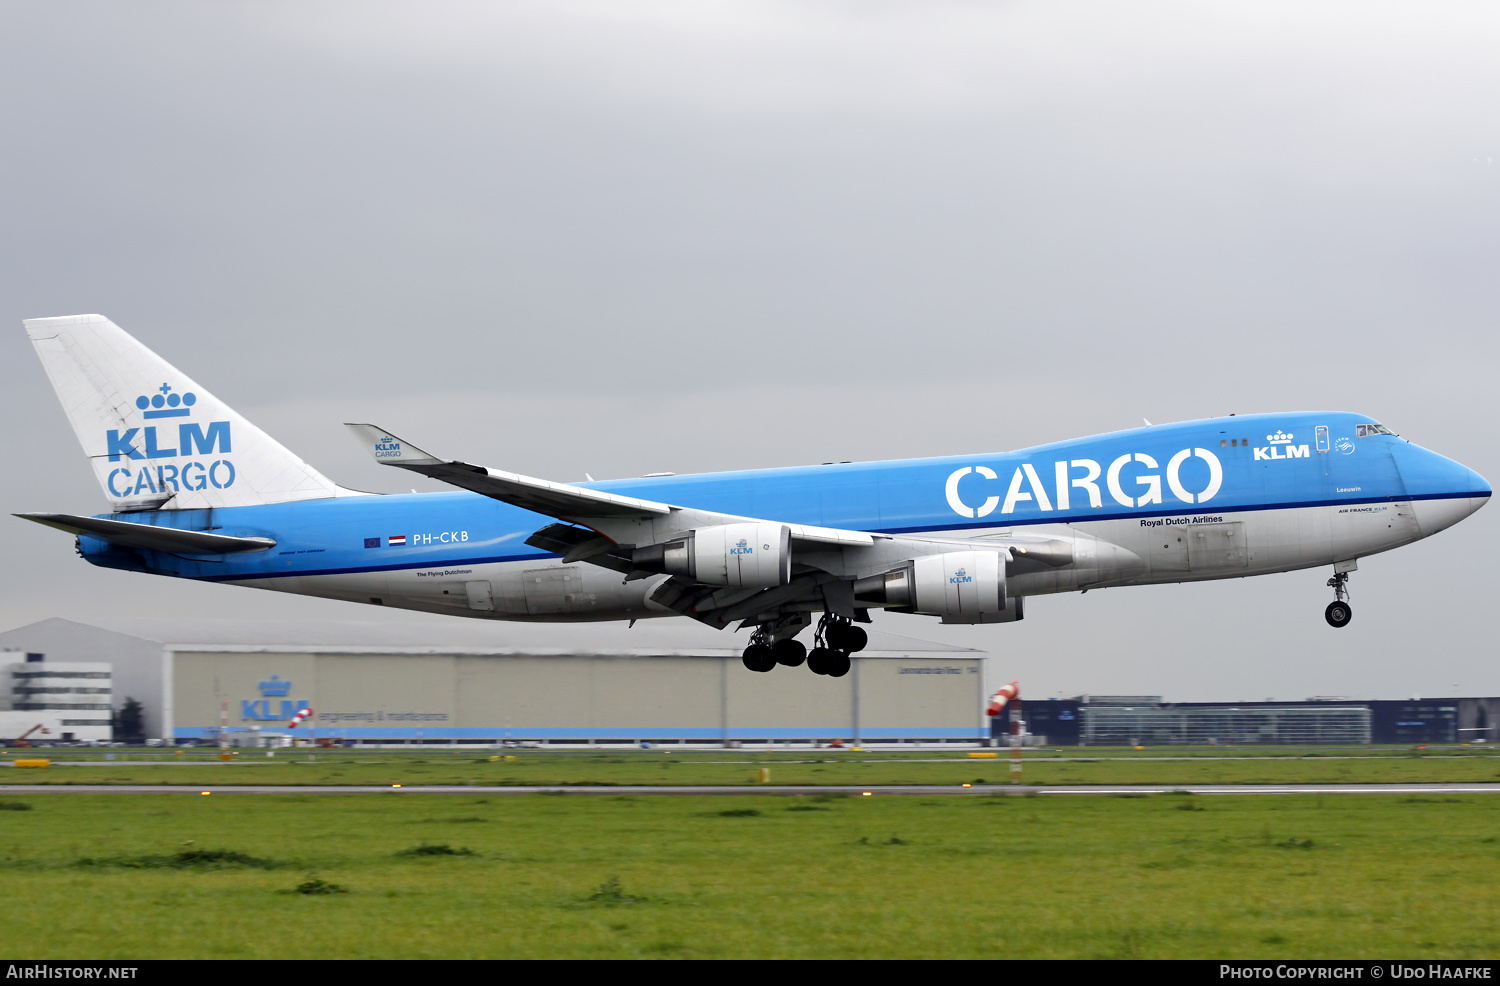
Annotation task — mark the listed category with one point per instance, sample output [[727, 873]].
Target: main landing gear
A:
[[1339, 612], [836, 638]]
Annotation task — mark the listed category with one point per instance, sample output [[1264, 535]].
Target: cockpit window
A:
[[1362, 431]]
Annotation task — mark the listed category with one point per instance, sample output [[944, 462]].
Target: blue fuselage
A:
[[1117, 487]]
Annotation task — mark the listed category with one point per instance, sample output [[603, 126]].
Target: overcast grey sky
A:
[[632, 237]]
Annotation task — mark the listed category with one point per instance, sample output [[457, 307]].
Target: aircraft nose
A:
[[1479, 486], [1443, 491]]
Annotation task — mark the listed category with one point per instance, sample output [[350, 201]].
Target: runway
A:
[[904, 790]]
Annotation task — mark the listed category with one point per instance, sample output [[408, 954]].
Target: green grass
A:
[[756, 876], [634, 767]]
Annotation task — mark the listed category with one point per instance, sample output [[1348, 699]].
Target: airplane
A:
[[198, 492]]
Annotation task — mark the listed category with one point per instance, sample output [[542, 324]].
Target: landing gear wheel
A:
[[788, 652], [1338, 614], [839, 665], [846, 637], [819, 659], [758, 657]]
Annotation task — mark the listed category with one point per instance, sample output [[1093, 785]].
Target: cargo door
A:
[[1167, 549], [550, 591], [1217, 547]]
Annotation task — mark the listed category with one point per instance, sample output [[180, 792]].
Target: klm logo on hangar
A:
[[267, 708]]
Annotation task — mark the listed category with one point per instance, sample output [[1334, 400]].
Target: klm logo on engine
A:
[[168, 441], [1281, 447], [742, 548], [960, 577]]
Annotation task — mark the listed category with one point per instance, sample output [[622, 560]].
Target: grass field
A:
[[1165, 876], [633, 767]]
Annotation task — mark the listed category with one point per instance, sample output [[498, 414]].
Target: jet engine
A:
[[744, 556], [960, 586]]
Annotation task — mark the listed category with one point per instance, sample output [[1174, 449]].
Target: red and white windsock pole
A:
[[302, 716], [1003, 697]]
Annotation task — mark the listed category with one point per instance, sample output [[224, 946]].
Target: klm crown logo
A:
[[961, 576], [277, 687], [157, 441], [1280, 438], [167, 403], [742, 548]]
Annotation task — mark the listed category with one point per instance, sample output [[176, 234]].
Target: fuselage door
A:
[[1215, 547], [1167, 549], [479, 596], [553, 591]]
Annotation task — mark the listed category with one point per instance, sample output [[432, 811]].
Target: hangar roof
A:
[[664, 637]]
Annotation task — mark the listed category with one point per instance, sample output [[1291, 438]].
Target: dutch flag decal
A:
[[396, 539]]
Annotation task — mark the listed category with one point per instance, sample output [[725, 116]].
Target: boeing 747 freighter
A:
[[200, 493]]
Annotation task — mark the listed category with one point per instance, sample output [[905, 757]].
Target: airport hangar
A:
[[453, 682]]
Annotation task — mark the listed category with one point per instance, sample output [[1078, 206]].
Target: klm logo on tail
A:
[[165, 404], [150, 442]]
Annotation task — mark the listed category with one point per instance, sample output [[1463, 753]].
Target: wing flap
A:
[[831, 535]]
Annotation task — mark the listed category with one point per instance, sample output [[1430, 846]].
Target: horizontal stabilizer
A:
[[150, 537], [526, 492]]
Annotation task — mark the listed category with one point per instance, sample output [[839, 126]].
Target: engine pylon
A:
[[1003, 697]]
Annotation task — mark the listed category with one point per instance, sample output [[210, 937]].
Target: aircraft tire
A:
[[855, 639], [1338, 614], [818, 660], [789, 653], [757, 657], [839, 665]]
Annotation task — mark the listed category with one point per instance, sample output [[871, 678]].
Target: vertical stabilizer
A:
[[157, 440]]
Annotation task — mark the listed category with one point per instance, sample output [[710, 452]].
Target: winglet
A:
[[389, 450]]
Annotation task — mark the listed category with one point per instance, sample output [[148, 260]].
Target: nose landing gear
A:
[[1339, 612]]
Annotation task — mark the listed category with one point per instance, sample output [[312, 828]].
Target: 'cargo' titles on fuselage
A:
[[1127, 479]]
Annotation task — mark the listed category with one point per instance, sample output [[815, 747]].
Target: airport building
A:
[[484, 683], [47, 701], [1136, 720]]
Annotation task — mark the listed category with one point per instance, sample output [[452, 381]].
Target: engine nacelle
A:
[[967, 586], [744, 556]]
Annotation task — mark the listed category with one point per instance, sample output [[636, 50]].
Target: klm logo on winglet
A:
[[160, 442], [387, 448]]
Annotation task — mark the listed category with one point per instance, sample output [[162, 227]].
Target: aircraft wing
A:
[[150, 537], [537, 495], [575, 504]]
